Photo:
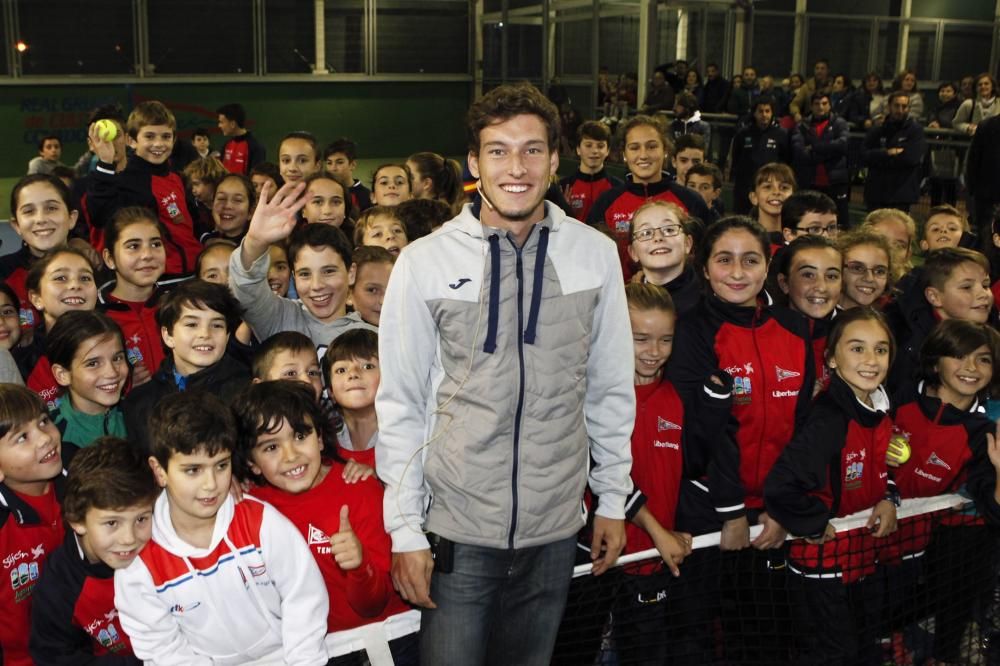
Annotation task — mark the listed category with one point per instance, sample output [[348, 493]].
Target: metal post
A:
[[903, 46], [647, 24], [799, 38], [319, 38]]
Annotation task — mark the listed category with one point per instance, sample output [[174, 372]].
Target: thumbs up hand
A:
[[345, 544]]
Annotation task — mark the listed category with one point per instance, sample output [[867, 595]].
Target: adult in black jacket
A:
[[761, 142], [982, 173], [819, 146], [943, 114], [714, 91], [893, 153]]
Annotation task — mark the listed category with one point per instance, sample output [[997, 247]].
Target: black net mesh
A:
[[926, 594]]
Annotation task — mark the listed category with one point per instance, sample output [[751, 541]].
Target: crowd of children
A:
[[187, 472]]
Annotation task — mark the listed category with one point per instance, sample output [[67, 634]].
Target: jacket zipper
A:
[[520, 392]]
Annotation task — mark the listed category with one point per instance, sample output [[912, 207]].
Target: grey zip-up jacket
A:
[[497, 392]]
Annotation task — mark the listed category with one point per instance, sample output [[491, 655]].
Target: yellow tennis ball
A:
[[106, 129], [899, 448]]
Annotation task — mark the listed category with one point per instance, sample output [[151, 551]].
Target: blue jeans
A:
[[497, 606]]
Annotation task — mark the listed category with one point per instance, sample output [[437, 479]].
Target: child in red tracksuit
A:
[[944, 423], [766, 351], [665, 448], [836, 466], [134, 249], [146, 181], [288, 453]]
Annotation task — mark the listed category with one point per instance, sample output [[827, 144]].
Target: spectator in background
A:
[[741, 99], [974, 111], [894, 152], [867, 105], [715, 90], [967, 87], [692, 84], [907, 82], [761, 142], [982, 172], [660, 96], [241, 152], [688, 120], [819, 144], [943, 113], [820, 82], [840, 94], [49, 152], [675, 74]]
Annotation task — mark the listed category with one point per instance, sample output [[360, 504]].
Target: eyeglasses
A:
[[859, 269], [818, 230], [648, 234], [9, 312]]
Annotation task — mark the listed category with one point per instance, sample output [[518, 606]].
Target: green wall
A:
[[387, 119]]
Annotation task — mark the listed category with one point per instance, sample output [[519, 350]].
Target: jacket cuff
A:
[[731, 512], [635, 501], [715, 392], [611, 506], [105, 168], [405, 540]]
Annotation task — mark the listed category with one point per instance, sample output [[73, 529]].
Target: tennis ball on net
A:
[[106, 129]]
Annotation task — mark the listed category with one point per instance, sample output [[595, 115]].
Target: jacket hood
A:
[[165, 535]]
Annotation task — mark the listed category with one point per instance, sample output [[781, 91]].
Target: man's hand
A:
[[882, 522], [345, 545], [273, 220], [607, 545], [772, 536], [735, 534], [411, 576]]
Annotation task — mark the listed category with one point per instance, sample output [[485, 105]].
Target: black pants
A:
[[755, 607], [837, 623]]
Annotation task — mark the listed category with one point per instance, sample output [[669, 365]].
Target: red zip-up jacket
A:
[[73, 616], [835, 465], [948, 450], [583, 189], [156, 187], [767, 353], [362, 595], [614, 209], [30, 529]]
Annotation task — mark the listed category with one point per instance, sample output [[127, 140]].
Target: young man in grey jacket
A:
[[506, 361]]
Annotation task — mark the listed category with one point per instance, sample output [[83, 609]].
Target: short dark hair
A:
[[805, 201], [200, 131], [355, 343], [593, 130], [342, 145], [234, 112], [188, 422], [199, 295], [261, 408], [956, 338], [269, 169], [18, 405], [107, 475], [897, 93], [688, 101], [111, 111], [818, 95], [319, 236], [506, 101], [685, 141], [50, 137], [707, 169], [374, 254], [939, 264], [783, 258], [292, 341], [761, 101], [422, 216]]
